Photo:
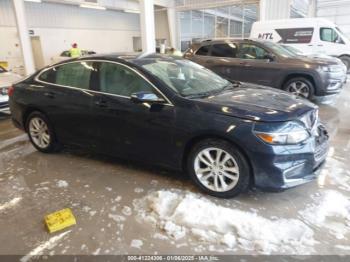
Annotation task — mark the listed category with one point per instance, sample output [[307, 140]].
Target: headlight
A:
[[333, 68], [4, 91], [289, 133]]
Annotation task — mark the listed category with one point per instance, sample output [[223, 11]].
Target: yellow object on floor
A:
[[59, 220]]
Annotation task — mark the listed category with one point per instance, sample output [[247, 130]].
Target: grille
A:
[[321, 143]]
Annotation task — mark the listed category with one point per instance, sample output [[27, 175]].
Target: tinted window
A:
[[74, 74], [250, 51], [224, 50], [65, 53], [48, 76], [204, 50], [330, 35], [120, 80]]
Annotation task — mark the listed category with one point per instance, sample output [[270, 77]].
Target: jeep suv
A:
[[269, 64]]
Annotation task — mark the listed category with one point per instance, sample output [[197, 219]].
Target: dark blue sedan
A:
[[172, 112]]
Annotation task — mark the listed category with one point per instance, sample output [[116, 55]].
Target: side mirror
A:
[[270, 57], [146, 97]]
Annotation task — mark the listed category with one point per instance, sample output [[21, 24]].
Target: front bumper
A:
[[4, 105], [284, 166]]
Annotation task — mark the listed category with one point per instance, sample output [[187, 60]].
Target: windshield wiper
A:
[[204, 94], [231, 85]]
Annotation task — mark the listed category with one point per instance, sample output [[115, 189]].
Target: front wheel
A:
[[41, 133], [300, 86], [218, 168]]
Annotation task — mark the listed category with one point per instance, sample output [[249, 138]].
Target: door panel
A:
[[222, 60], [67, 100], [133, 130], [254, 67], [126, 128]]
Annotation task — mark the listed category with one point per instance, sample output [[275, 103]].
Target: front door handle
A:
[[101, 103], [49, 94]]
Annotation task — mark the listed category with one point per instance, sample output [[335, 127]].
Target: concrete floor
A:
[[98, 186]]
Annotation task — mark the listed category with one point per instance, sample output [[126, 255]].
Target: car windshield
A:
[[279, 50], [185, 77], [2, 70]]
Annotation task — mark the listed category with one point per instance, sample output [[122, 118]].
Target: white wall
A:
[[61, 25], [274, 9], [337, 12], [161, 26]]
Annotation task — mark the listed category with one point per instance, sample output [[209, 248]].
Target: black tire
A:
[[346, 61], [299, 81], [53, 145], [244, 170]]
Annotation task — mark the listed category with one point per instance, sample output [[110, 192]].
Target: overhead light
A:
[[91, 6], [34, 1], [131, 11]]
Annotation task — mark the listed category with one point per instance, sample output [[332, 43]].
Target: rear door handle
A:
[[245, 64], [101, 103], [49, 94]]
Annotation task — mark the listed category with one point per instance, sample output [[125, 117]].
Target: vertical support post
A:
[[22, 28], [172, 22], [148, 36]]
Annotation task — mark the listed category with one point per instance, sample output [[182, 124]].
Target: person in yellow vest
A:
[[75, 51]]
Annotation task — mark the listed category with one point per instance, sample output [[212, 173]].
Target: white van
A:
[[309, 35]]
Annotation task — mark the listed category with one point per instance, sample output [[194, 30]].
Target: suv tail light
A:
[[10, 90]]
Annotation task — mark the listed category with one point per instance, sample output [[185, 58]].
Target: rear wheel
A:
[[41, 133], [218, 168], [346, 61], [300, 86]]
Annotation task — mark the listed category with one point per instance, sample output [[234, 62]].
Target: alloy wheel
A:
[[299, 88], [216, 169], [39, 132]]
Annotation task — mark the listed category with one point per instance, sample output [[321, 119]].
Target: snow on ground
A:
[[13, 202], [178, 214], [49, 244], [337, 173], [136, 243], [331, 211], [62, 183]]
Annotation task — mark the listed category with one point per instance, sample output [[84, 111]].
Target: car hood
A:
[[313, 59], [7, 79], [258, 103]]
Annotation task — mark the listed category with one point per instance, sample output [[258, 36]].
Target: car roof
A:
[[132, 58], [206, 42]]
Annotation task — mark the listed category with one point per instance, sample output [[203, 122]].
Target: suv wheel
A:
[[41, 133], [300, 86], [218, 168]]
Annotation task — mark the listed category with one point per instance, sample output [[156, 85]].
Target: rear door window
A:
[[77, 74], [224, 50], [74, 74], [251, 51], [204, 50]]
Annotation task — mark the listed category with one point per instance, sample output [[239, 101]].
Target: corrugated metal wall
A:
[[274, 9], [337, 11], [50, 15]]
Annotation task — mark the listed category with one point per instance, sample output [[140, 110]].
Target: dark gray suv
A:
[[269, 64]]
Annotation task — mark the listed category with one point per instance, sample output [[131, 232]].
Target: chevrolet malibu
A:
[[174, 113]]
